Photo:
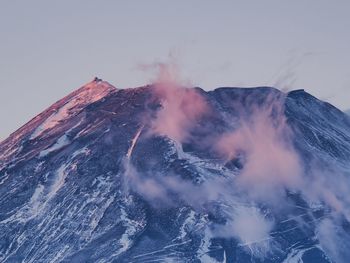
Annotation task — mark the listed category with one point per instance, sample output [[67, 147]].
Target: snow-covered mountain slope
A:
[[179, 175]]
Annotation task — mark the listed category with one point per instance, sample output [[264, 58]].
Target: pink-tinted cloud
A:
[[181, 107], [270, 162], [250, 227], [263, 140]]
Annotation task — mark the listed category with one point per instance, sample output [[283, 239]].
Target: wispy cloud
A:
[[181, 106], [262, 141]]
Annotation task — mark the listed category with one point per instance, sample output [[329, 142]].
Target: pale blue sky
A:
[[49, 48]]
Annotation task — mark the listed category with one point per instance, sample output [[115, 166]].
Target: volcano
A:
[[176, 174]]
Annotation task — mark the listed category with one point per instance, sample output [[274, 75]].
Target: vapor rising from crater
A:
[[261, 140], [181, 105]]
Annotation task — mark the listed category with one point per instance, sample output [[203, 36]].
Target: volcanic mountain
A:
[[164, 173]]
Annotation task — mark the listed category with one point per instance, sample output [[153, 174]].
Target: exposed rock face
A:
[[259, 176]]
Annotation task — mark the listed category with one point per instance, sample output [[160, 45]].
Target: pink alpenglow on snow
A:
[[89, 93]]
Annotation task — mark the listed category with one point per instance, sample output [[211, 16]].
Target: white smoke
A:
[[271, 167]]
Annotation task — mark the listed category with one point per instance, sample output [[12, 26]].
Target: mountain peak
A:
[[75, 102], [139, 175], [63, 110], [93, 90]]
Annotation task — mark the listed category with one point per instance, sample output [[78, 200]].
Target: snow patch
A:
[[204, 248], [90, 93], [4, 178], [295, 256], [83, 150], [61, 176], [133, 143], [61, 142], [132, 227]]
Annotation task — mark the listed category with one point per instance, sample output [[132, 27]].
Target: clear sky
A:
[[50, 48]]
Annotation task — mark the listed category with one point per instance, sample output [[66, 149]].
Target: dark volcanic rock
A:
[[65, 196]]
